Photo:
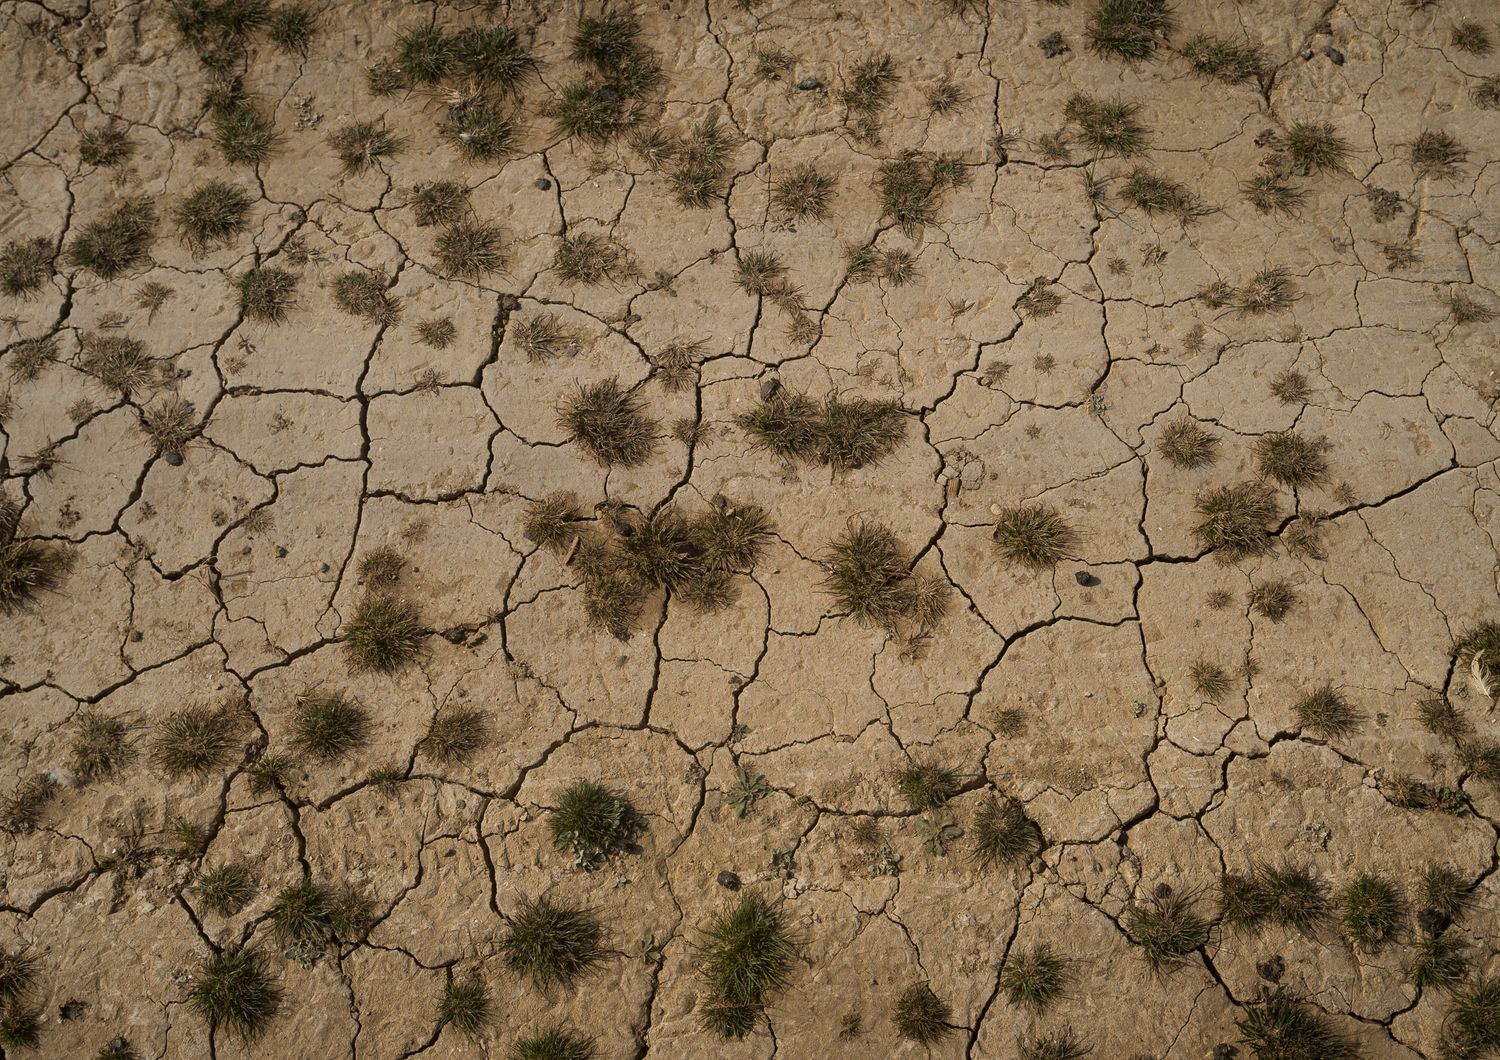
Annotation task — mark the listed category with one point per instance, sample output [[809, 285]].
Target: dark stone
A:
[[729, 881], [1306, 53], [768, 389], [173, 458], [1334, 54], [1163, 890], [809, 84], [1084, 578], [1271, 969], [1053, 45], [1432, 922], [136, 636], [1225, 1052], [543, 184], [454, 635], [70, 1010]]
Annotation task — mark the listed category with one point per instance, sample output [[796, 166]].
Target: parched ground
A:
[[1051, 332]]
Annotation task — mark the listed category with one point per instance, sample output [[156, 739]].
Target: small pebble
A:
[[1432, 922], [1225, 1052], [768, 389], [1083, 577], [1272, 968], [809, 84], [729, 881], [1306, 53], [543, 184], [174, 459], [1334, 54]]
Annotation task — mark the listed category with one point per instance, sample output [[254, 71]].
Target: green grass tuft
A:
[[552, 944], [361, 145], [1370, 910], [1054, 1045], [911, 187], [1282, 1028], [588, 258], [233, 989], [107, 145], [310, 915], [364, 295], [1167, 927], [243, 134], [211, 215], [926, 785], [384, 634], [1108, 126], [426, 55], [267, 293], [467, 250], [1444, 890], [805, 193], [1187, 444], [1325, 712], [1130, 29], [292, 27], [495, 57], [921, 1016], [591, 823], [1003, 834], [465, 1006], [101, 745], [1234, 62], [610, 424], [1292, 459], [1435, 153], [1034, 536], [1440, 961], [196, 740], [1273, 599], [227, 889], [1315, 146], [554, 1044], [1289, 895], [457, 734], [439, 202], [25, 264], [1033, 979], [109, 245], [746, 955], [327, 727]]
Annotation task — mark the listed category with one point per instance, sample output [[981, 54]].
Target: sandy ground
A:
[[230, 575]]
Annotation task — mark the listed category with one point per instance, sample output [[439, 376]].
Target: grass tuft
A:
[[554, 1044], [195, 740], [552, 944], [1153, 193], [1004, 835], [107, 145], [426, 55], [1315, 146], [1370, 910], [868, 572], [1444, 890], [495, 57], [233, 989], [609, 423], [844, 433], [18, 975], [227, 889], [1187, 444], [926, 785], [588, 258], [1292, 459], [1325, 712], [746, 954], [1471, 37], [1270, 193], [759, 272], [170, 424], [211, 215], [1289, 895], [921, 1016], [310, 915], [243, 134], [805, 193], [437, 333], [267, 293], [101, 746], [363, 294], [1108, 126], [327, 727], [1435, 153], [1166, 927], [1273, 599], [466, 250], [1131, 30], [1054, 1045], [361, 145], [1282, 1028], [21, 810], [439, 202], [480, 132], [25, 264], [465, 1006], [119, 362], [292, 27], [911, 187], [591, 823], [549, 521], [1236, 520], [1035, 536], [1235, 62], [457, 734], [27, 568], [1033, 979], [1473, 1025], [384, 634], [1440, 961], [1210, 680], [109, 245]]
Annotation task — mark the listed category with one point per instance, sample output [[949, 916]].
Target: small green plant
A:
[[1035, 536], [384, 634], [1273, 599], [1435, 153], [1290, 387], [327, 726], [109, 245], [233, 989], [21, 810], [1225, 60], [107, 145], [699, 163], [926, 785], [25, 264], [759, 272], [609, 423], [1440, 961], [550, 521], [1292, 459], [267, 293], [1107, 126], [243, 135], [1370, 910], [1187, 444], [552, 944], [1130, 29], [1315, 146], [467, 250], [363, 294], [101, 745], [1033, 979], [1152, 193], [868, 90], [921, 1016], [360, 145], [594, 113], [1325, 712], [1167, 927], [437, 333], [480, 132], [554, 1044], [588, 258], [227, 889], [465, 1006], [805, 193], [1289, 895], [1236, 520], [381, 566], [495, 57], [291, 28], [119, 362], [1279, 1027], [426, 55], [195, 740], [748, 788], [591, 823], [1444, 890], [27, 568], [310, 915], [911, 188], [267, 772], [868, 572], [1270, 193], [858, 432], [1210, 680], [439, 202], [746, 955], [212, 214], [170, 424], [1054, 1045], [1003, 834], [457, 734], [731, 537], [1473, 1025]]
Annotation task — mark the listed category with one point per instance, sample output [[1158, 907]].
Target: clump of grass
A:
[[601, 105], [926, 785], [746, 955], [457, 734], [328, 726], [1108, 126], [1279, 1026], [552, 944], [466, 250], [27, 568], [25, 264], [613, 594], [1435, 153], [1291, 458], [699, 164], [107, 145], [1187, 444], [1315, 146], [242, 134], [911, 187], [465, 1006], [210, 215], [593, 113], [759, 272], [805, 193], [1463, 309], [233, 989], [437, 333], [1035, 536], [1270, 290], [360, 145], [381, 566], [1440, 961], [1131, 30], [101, 745], [1167, 927], [1471, 37], [1370, 910], [170, 425], [21, 810], [310, 915], [1210, 680], [921, 1016], [1290, 387], [1486, 93], [30, 356], [610, 423], [1054, 1045], [544, 337], [591, 823], [554, 1044], [267, 772], [195, 740], [384, 634], [1289, 895], [385, 78], [426, 55], [1236, 520], [787, 424], [1270, 193], [844, 433], [119, 362], [1034, 978], [439, 202], [218, 30], [267, 293], [1153, 193], [363, 294], [1225, 60], [868, 572], [1003, 834], [1473, 1025], [549, 521], [588, 258], [227, 889], [1477, 653], [1273, 599], [731, 537], [677, 365], [1325, 712], [18, 975], [1444, 891], [291, 28], [480, 132], [109, 245]]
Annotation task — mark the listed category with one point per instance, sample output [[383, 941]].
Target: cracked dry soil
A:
[[1042, 334]]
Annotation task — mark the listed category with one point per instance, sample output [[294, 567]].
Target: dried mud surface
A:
[[231, 575]]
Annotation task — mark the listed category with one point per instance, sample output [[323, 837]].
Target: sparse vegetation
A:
[[1281, 1028], [603, 104], [466, 250], [1236, 520], [609, 423], [195, 740], [1435, 153], [552, 944], [1325, 712], [1273, 599], [1003, 835], [1370, 910], [101, 745], [745, 956], [1035, 536], [27, 568], [1270, 193], [1315, 146], [106, 145], [1288, 895], [1210, 680], [1153, 193], [363, 294], [384, 634], [119, 240], [327, 726], [1187, 444], [21, 810], [1226, 60], [588, 258], [1053, 1045], [233, 989], [465, 1006], [25, 264], [1292, 459], [805, 193], [1166, 926], [843, 433], [554, 1044], [225, 890], [457, 734], [921, 1016], [867, 92], [361, 145], [1130, 29], [1108, 127], [267, 293], [1033, 979], [911, 187], [243, 135], [310, 915], [926, 785], [868, 572], [591, 823]]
